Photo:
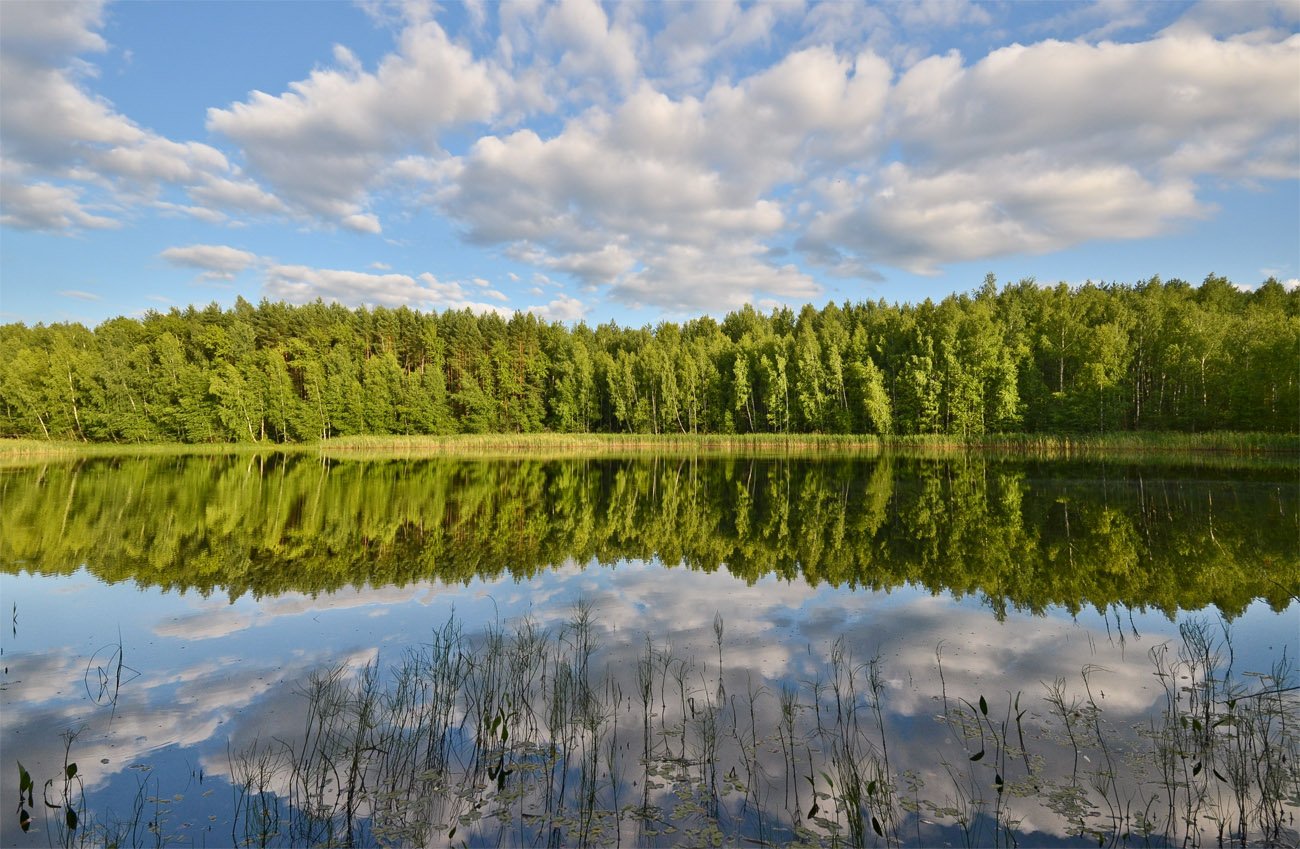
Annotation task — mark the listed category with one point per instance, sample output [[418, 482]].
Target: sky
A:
[[636, 161]]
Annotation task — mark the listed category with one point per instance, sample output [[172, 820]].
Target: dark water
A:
[[271, 651]]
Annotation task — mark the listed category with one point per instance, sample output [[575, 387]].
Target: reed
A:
[[1120, 444], [518, 736]]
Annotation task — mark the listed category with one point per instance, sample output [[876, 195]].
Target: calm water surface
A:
[[211, 651]]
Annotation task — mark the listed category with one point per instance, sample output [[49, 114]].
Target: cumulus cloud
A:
[[302, 284], [673, 158], [219, 262], [238, 194], [590, 46], [61, 141], [44, 206], [1135, 103], [1019, 204], [38, 29], [689, 278], [696, 34], [1038, 148], [324, 141], [667, 201], [564, 308]]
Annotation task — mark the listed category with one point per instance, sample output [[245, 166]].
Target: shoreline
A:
[[559, 445]]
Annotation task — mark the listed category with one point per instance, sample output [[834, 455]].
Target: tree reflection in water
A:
[[523, 734], [1022, 535]]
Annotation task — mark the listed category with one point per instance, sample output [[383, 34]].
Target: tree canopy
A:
[[1096, 358]]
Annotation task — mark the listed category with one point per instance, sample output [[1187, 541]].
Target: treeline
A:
[[1019, 535], [1098, 358]]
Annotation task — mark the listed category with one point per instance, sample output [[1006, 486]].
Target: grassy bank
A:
[[1113, 445], [604, 445], [41, 449], [1216, 442]]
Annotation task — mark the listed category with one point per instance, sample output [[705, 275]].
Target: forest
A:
[[1151, 356]]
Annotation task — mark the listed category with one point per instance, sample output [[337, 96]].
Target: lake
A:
[[274, 650]]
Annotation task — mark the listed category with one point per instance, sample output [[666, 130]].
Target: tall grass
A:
[[519, 736], [1100, 444], [1111, 445]]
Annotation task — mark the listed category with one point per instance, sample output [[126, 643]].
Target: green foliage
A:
[[1093, 359], [1024, 535]]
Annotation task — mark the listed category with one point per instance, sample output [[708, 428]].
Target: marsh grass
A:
[[1124, 445], [520, 735]]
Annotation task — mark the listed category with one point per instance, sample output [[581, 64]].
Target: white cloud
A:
[[323, 142], [1140, 104], [43, 206], [38, 29], [848, 25], [696, 34], [1266, 19], [79, 295], [668, 156], [591, 47], [1042, 147], [666, 199], [52, 128], [1095, 21], [602, 265], [564, 308], [1019, 204], [301, 284], [220, 262], [155, 159], [688, 279], [238, 194], [942, 13], [51, 121], [362, 222], [202, 213]]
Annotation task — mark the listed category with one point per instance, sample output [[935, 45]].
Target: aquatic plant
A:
[[518, 735]]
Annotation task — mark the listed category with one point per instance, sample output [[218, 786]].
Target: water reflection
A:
[[562, 729], [1022, 535], [382, 653]]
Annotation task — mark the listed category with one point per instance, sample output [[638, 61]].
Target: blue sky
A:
[[635, 161]]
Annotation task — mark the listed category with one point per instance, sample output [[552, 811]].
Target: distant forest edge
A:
[[1154, 356]]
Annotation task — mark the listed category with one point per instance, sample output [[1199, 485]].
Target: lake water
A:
[[210, 651]]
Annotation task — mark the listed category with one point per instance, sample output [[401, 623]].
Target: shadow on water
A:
[[526, 736]]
